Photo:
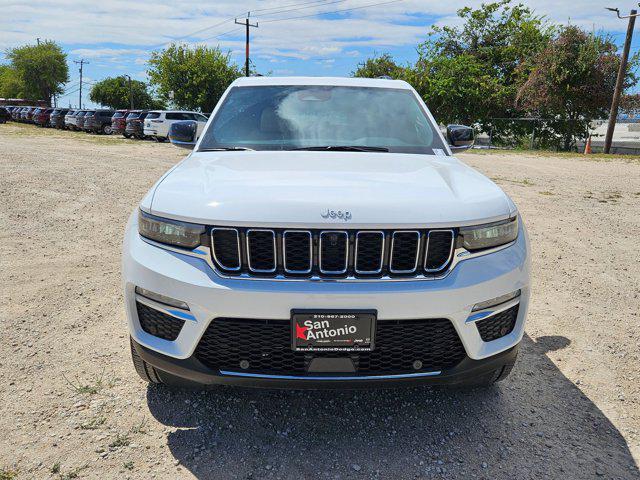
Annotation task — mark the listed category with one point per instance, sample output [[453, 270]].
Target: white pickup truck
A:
[[322, 233]]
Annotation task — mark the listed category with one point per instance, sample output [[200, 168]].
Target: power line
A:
[[334, 11], [286, 6], [280, 9], [301, 8], [220, 35], [66, 94]]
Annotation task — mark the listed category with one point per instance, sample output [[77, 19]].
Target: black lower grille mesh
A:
[[498, 325], [157, 323], [266, 346]]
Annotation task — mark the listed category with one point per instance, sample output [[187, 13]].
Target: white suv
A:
[[323, 233], [158, 122]]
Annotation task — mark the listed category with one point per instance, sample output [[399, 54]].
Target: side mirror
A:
[[460, 137], [183, 133]]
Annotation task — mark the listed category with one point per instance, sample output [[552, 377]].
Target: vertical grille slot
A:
[[369, 252], [297, 251], [261, 251], [334, 249], [438, 250], [404, 251], [226, 248]]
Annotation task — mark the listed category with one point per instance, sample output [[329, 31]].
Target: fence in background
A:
[[540, 134]]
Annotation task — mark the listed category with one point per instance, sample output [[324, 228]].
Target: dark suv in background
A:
[[119, 122], [99, 121], [135, 124], [82, 118], [41, 118], [56, 119], [5, 115]]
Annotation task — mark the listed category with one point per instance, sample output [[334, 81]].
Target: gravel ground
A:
[[72, 406]]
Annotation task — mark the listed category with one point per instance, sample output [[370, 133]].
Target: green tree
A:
[[113, 92], [192, 77], [10, 85], [470, 73], [572, 82], [41, 70], [380, 66]]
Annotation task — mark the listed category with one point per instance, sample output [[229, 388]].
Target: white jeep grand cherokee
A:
[[322, 233]]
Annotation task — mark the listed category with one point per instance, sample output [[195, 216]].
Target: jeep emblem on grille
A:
[[339, 214]]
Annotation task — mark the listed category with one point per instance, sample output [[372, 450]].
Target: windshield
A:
[[295, 117]]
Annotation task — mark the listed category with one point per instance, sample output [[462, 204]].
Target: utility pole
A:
[[81, 63], [248, 25], [130, 93], [622, 71]]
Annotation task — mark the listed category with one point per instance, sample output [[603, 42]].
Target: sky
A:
[[294, 37]]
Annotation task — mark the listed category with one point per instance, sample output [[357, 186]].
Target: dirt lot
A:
[[72, 406]]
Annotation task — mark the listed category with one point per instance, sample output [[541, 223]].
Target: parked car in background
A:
[[56, 119], [157, 123], [5, 115], [17, 114], [99, 122], [119, 122], [70, 119], [27, 115], [135, 125], [41, 116], [34, 114], [82, 118]]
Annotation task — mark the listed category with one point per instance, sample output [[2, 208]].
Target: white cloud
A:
[[118, 28]]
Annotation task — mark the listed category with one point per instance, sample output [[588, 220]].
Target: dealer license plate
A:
[[329, 330]]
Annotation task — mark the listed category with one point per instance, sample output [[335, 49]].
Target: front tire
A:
[[146, 371], [151, 375], [106, 129]]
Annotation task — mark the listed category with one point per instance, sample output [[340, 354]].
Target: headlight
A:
[[490, 235], [172, 232]]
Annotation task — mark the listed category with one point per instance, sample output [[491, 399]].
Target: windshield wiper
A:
[[227, 149], [344, 148]]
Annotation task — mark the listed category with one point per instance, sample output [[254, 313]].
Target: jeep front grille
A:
[[298, 253]]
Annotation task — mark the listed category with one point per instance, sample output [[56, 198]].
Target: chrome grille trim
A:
[[415, 264], [346, 252], [273, 243], [291, 263], [355, 258], [213, 248], [284, 252], [426, 250]]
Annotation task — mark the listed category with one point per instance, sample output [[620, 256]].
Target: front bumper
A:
[[192, 370], [210, 296]]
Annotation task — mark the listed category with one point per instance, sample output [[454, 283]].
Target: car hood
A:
[[289, 189]]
